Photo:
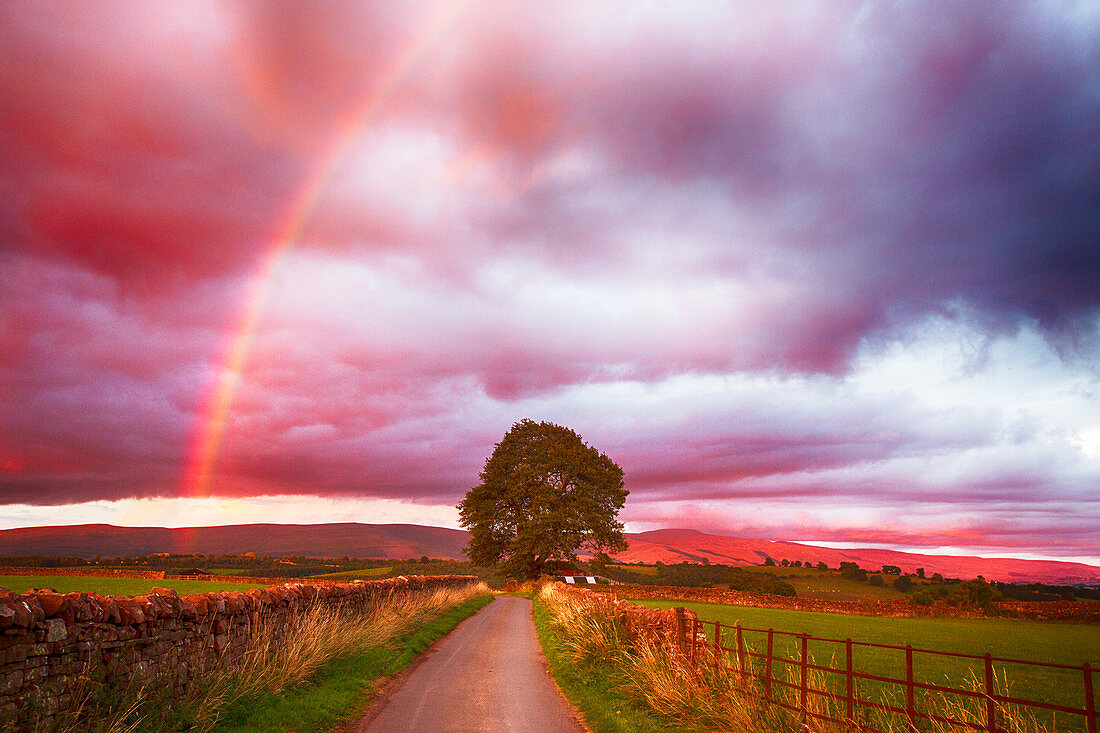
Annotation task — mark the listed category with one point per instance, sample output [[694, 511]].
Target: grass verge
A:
[[595, 689], [340, 690]]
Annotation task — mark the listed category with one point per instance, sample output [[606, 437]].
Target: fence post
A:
[[910, 707], [681, 632], [990, 706], [849, 692], [694, 637], [768, 670], [717, 643], [803, 661], [1090, 702], [740, 652]]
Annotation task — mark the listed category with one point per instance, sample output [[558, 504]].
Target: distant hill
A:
[[401, 541], [397, 541], [678, 545]]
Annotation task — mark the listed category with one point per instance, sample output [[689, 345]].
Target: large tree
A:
[[544, 495]]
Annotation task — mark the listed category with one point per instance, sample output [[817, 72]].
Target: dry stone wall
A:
[[47, 639]]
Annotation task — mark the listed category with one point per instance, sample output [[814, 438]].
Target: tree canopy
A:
[[544, 496]]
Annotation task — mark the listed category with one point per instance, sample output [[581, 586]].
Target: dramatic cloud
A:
[[819, 272]]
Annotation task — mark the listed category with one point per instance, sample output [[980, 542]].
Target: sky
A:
[[810, 271]]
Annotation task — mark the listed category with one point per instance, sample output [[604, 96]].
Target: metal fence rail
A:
[[768, 662]]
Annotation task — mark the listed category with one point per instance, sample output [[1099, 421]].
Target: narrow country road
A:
[[488, 675]]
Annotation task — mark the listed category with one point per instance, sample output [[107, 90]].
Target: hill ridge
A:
[[404, 540]]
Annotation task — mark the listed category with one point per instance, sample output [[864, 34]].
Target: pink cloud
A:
[[541, 207]]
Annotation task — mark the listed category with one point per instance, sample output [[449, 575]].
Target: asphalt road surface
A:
[[487, 675]]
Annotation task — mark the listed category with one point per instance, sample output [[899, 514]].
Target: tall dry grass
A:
[[327, 632], [270, 665], [712, 694]]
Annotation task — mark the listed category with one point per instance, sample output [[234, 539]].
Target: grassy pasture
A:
[[1030, 640], [358, 574], [829, 585], [114, 586], [807, 582], [636, 569], [836, 588]]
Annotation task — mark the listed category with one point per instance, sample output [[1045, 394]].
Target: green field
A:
[[1030, 640], [831, 586], [808, 582], [636, 569], [114, 586], [353, 574]]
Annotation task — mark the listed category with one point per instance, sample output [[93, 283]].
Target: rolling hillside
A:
[[400, 541], [397, 541], [678, 545]]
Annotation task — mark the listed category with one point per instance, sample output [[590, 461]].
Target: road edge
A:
[[385, 687]]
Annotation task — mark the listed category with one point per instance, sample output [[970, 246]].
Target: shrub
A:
[[977, 591], [923, 597], [749, 582], [904, 584], [852, 571]]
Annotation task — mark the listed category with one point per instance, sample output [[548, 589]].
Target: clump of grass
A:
[[269, 666], [326, 632], [710, 695], [1010, 718]]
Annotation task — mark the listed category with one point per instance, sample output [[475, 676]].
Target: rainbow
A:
[[214, 415]]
